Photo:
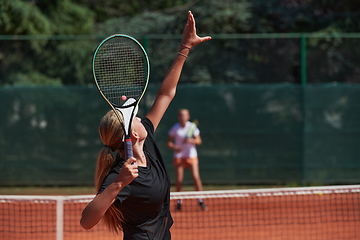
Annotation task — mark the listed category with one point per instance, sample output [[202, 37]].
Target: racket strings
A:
[[121, 70]]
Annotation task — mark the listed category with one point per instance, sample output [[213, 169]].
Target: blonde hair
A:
[[111, 133]]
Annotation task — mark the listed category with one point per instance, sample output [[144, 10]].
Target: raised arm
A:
[[168, 87]]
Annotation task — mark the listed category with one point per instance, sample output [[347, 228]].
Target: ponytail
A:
[[111, 133], [105, 161]]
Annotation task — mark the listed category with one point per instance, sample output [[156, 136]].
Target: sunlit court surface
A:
[[331, 212]]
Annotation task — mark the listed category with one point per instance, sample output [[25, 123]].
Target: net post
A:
[[59, 217], [303, 90], [303, 59]]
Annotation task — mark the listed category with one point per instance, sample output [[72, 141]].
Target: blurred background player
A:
[[183, 138]]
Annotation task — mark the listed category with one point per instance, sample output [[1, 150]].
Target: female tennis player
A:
[[185, 153], [134, 194]]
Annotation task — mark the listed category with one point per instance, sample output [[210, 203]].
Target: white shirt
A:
[[180, 134]]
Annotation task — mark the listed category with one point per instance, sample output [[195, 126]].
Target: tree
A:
[[109, 9], [60, 61], [22, 18], [35, 61], [284, 16]]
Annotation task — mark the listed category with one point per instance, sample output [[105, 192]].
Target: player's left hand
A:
[[190, 38]]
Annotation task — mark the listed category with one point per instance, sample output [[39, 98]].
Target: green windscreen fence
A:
[[252, 134]]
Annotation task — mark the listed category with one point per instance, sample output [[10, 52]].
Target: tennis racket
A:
[[192, 128], [121, 74]]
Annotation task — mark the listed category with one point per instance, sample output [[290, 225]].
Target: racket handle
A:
[[128, 148]]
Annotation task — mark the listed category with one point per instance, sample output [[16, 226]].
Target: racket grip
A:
[[128, 148]]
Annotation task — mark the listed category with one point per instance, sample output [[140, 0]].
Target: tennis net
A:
[[331, 212]]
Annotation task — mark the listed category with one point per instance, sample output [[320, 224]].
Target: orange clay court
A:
[[284, 213]]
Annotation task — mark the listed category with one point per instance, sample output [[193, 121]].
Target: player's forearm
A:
[[196, 141], [193, 141], [96, 209], [172, 146], [168, 86]]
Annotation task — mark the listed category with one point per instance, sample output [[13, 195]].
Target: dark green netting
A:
[[262, 134]]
